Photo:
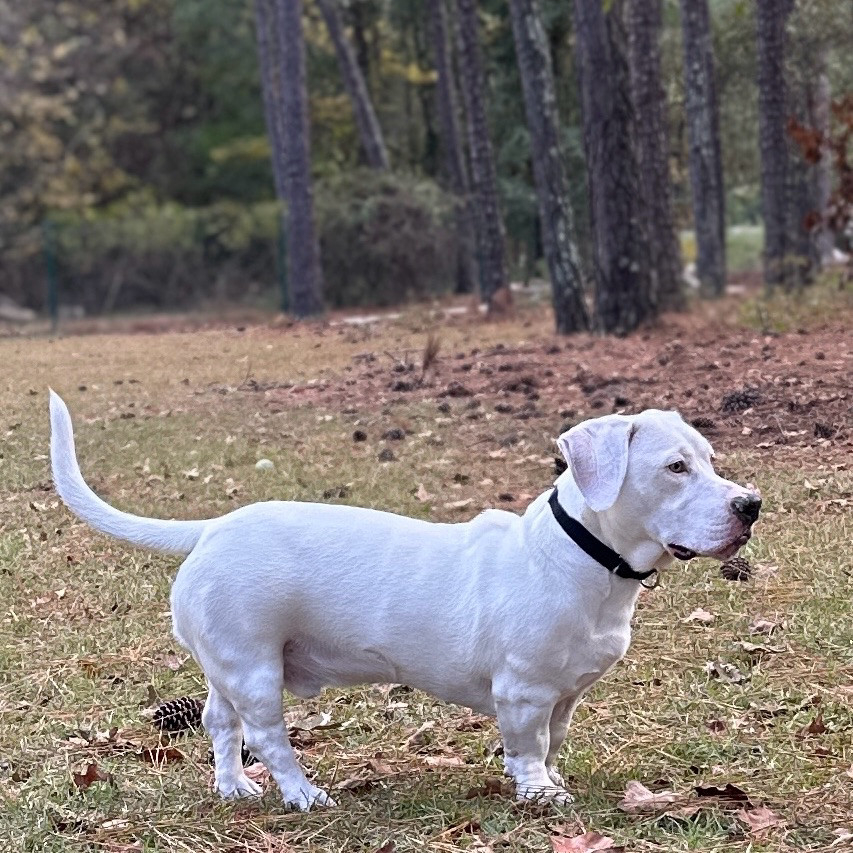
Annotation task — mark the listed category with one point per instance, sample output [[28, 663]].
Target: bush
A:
[[384, 238]]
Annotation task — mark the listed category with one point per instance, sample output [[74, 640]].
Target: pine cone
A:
[[736, 569], [703, 423], [738, 401], [179, 715]]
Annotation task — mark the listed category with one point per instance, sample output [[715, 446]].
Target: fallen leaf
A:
[[379, 767], [387, 847], [353, 783], [728, 792], [724, 671], [762, 626], [422, 494], [160, 754], [638, 798], [444, 761], [418, 738], [815, 727], [754, 648], [314, 721], [758, 819], [459, 504], [700, 615], [258, 773], [91, 774], [173, 661], [684, 812], [493, 786], [191, 474], [716, 726], [842, 835], [582, 843]]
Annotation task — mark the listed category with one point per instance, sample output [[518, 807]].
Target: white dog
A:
[[511, 616]]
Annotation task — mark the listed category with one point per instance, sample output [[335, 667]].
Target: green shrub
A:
[[384, 238]]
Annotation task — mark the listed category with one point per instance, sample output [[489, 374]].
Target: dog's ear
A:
[[597, 453]]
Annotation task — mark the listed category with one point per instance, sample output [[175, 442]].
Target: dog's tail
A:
[[177, 537]]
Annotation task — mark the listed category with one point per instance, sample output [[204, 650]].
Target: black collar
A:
[[593, 546]]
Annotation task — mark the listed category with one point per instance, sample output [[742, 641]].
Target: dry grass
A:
[[172, 424]]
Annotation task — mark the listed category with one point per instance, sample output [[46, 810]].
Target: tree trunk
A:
[[305, 278], [369, 131], [819, 113], [703, 130], [620, 249], [451, 143], [268, 61], [552, 190], [653, 152], [489, 224], [770, 18]]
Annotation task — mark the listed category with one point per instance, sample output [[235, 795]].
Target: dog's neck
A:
[[634, 546]]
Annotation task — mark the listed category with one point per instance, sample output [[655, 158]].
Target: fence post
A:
[[49, 248]]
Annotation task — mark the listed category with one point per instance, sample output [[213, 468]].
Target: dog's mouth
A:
[[682, 553]]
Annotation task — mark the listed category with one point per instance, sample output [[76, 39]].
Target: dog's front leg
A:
[[561, 718], [524, 717]]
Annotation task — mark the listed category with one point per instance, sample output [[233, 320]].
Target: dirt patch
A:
[[776, 393]]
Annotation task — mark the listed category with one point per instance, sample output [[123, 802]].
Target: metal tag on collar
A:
[[651, 585]]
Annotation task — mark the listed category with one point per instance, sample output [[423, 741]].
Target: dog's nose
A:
[[746, 508]]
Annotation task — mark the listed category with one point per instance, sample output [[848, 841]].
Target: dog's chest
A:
[[592, 646]]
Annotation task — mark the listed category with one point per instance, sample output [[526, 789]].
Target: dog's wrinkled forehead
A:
[[656, 431]]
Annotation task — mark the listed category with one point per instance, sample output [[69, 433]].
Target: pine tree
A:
[[552, 191], [705, 158], [644, 26], [489, 224], [623, 294]]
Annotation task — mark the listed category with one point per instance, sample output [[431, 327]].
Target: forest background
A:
[[136, 169]]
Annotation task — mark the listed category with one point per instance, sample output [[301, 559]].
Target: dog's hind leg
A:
[[223, 725], [255, 691]]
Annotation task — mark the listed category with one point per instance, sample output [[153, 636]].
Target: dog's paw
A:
[[555, 794], [237, 788], [305, 796]]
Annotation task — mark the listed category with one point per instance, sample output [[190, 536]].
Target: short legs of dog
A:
[[524, 722], [255, 697], [223, 725], [561, 717]]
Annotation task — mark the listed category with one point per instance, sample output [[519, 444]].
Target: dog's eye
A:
[[678, 467]]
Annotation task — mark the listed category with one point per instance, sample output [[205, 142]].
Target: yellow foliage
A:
[[247, 148]]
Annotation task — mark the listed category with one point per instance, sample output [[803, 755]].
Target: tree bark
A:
[[489, 224], [819, 112], [653, 152], [620, 249], [770, 19], [369, 131], [451, 143], [552, 191], [705, 158], [305, 278], [268, 61]]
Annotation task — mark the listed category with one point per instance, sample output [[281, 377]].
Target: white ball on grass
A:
[[265, 465]]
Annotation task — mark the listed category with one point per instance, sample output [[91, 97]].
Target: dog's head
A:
[[652, 474]]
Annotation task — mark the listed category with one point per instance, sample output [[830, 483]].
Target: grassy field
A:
[[754, 693]]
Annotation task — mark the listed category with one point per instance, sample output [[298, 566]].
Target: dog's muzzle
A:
[[746, 508]]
